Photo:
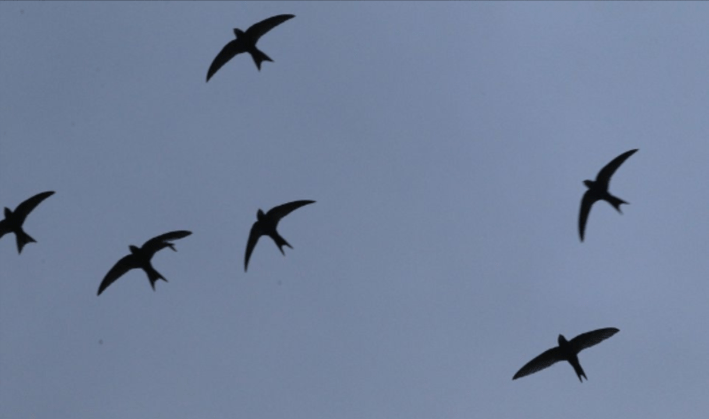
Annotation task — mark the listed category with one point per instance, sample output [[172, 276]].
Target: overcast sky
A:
[[445, 145]]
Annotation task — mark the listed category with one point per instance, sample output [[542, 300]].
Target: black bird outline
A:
[[266, 225], [598, 190], [246, 42], [140, 257], [567, 351], [15, 219]]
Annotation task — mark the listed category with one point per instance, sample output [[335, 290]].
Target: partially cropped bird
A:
[[246, 42], [140, 257], [13, 220], [567, 351], [266, 226], [598, 190]]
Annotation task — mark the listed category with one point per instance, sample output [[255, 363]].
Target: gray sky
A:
[[445, 145]]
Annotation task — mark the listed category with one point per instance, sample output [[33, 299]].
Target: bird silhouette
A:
[[266, 226], [13, 220], [246, 42], [567, 351], [140, 257], [598, 190]]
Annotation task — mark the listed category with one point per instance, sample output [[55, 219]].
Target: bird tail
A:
[[280, 242], [616, 202], [259, 57], [153, 276], [579, 371], [22, 239]]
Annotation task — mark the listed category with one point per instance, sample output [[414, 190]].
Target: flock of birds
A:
[[267, 223]]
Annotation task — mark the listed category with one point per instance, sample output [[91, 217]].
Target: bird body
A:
[[15, 219], [567, 351], [598, 190], [141, 257], [266, 224], [246, 42]]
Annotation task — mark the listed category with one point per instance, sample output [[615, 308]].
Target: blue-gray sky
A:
[[445, 145]]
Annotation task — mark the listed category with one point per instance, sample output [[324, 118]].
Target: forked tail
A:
[[22, 239], [616, 202], [153, 276], [280, 242], [259, 57]]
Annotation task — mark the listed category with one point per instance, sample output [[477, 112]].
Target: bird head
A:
[[562, 340], [238, 32], [134, 249], [260, 215], [588, 183], [8, 212]]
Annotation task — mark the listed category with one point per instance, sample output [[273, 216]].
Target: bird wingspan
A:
[[162, 241], [586, 204], [28, 205], [588, 339], [124, 265], [257, 30], [545, 360], [604, 176], [281, 211], [227, 53]]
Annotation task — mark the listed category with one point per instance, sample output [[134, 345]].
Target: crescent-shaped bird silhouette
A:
[[598, 190], [266, 226], [14, 219], [246, 42], [567, 351], [140, 257]]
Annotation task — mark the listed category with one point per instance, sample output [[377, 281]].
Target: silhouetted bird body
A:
[[598, 190], [567, 351], [246, 42], [14, 219], [140, 257], [266, 225]]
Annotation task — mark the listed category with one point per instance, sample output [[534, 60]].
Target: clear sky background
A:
[[445, 145]]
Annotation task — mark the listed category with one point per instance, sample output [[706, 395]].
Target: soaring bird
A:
[[266, 226], [598, 190], [246, 42], [13, 220], [567, 351], [140, 257]]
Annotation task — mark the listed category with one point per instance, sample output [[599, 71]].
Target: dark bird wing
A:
[[588, 339], [162, 241], [257, 30], [604, 176], [227, 53], [253, 239], [276, 213], [586, 204], [27, 206], [4, 228], [124, 265], [544, 360]]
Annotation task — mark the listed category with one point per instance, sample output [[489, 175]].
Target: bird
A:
[[140, 257], [246, 42], [567, 351], [598, 190], [266, 225], [13, 220]]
